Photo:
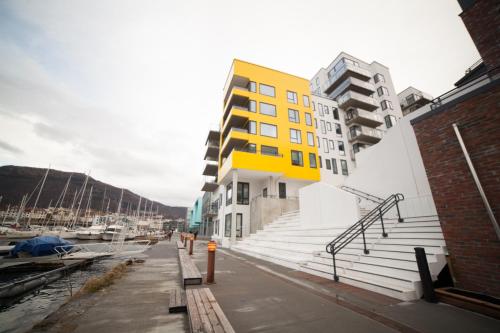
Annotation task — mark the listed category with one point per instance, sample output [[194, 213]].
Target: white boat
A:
[[94, 232], [63, 233], [22, 233], [112, 232]]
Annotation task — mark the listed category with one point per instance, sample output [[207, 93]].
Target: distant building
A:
[[195, 218], [412, 99]]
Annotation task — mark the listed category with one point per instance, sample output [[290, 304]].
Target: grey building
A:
[[412, 99]]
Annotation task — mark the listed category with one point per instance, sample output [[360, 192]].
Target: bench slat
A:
[[205, 321], [194, 316], [205, 314], [220, 314], [177, 301], [216, 326]]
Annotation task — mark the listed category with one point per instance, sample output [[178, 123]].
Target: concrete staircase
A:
[[390, 268]]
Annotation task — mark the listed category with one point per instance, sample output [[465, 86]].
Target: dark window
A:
[[320, 161], [264, 192], [328, 164], [379, 78], [341, 148], [252, 86], [312, 160], [227, 226], [268, 150], [335, 113], [390, 121], [343, 165], [334, 166], [282, 190], [239, 225], [297, 158], [252, 148], [229, 194], [338, 129], [243, 193]]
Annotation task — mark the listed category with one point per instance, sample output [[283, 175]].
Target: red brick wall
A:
[[482, 21], [471, 240]]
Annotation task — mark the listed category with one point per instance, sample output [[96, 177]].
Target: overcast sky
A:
[[129, 89]]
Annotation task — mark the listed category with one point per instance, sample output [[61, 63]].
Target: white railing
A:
[[103, 249]]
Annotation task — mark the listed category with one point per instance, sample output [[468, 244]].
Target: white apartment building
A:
[[412, 99]]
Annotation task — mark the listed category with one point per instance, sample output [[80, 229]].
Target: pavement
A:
[[256, 296]]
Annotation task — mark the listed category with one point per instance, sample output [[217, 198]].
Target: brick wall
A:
[[471, 240], [482, 20]]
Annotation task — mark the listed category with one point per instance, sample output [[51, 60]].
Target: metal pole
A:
[[191, 241], [384, 234], [478, 183], [364, 240], [425, 275], [335, 276], [399, 214]]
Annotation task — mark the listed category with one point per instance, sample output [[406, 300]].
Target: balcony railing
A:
[[210, 184], [351, 83], [363, 117], [357, 100], [345, 71], [365, 134]]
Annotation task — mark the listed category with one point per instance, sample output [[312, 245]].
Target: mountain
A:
[[16, 181]]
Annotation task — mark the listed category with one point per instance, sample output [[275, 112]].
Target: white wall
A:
[[326, 205]]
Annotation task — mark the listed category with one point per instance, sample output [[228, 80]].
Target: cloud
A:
[[10, 148]]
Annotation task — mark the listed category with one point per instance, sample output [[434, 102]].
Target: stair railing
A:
[[364, 195], [360, 227]]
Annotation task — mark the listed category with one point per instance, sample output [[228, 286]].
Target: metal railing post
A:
[[384, 234], [399, 214], [335, 276], [364, 240]]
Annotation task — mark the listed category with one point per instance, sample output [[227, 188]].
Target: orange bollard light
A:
[[191, 245], [212, 246]]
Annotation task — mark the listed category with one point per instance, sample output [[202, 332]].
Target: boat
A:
[[112, 232], [94, 232], [40, 246]]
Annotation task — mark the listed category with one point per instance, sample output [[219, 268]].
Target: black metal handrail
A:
[[359, 228], [364, 195]]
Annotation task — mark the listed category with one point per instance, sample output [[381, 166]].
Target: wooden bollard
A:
[[212, 246], [191, 244]]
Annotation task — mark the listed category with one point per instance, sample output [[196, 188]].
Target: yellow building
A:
[[266, 148]]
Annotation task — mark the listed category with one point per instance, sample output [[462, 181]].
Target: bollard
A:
[[211, 261], [185, 241], [191, 245], [182, 237], [425, 275]]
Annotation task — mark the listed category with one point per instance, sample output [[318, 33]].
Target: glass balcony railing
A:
[[357, 100], [346, 70]]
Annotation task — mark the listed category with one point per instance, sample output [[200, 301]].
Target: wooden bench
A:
[[205, 314], [180, 245], [190, 273], [177, 301]]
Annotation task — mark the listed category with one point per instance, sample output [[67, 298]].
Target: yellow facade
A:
[[236, 145]]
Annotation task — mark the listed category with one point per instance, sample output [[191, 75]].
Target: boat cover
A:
[[41, 246]]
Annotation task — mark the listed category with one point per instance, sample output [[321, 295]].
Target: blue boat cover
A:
[[41, 246]]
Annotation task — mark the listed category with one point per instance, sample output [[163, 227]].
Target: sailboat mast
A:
[[81, 199], [38, 196], [103, 198], [88, 204]]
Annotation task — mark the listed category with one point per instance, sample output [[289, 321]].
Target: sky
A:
[[129, 89]]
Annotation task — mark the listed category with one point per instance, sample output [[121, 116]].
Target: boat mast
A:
[[21, 208], [103, 198], [88, 205], [62, 199], [38, 196], [5, 215], [81, 199]]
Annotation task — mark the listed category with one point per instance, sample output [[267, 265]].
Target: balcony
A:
[[210, 169], [363, 134], [351, 83], [210, 184], [237, 117], [232, 82], [212, 144], [239, 98], [415, 101], [348, 70], [236, 138], [353, 99], [363, 117]]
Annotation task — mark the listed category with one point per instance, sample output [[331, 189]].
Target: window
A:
[[252, 127], [325, 145], [220, 200], [229, 194], [291, 96], [323, 126], [227, 227], [341, 148], [320, 162], [326, 109], [332, 145], [410, 99], [295, 136], [264, 89], [243, 193], [312, 160], [305, 100], [382, 91], [252, 86], [386, 105], [320, 109], [335, 112], [317, 81], [293, 116], [252, 148], [343, 165], [239, 225], [264, 192], [216, 225], [328, 164], [379, 78], [315, 123], [282, 190], [329, 126], [268, 130], [308, 119], [314, 106], [267, 109], [297, 158], [268, 150], [319, 141], [338, 129], [390, 121], [334, 166], [310, 139], [252, 106]]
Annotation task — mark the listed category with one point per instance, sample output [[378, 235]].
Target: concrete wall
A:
[[326, 205], [265, 210]]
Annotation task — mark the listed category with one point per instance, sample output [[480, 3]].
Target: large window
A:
[[243, 193], [252, 86], [341, 147], [343, 165], [268, 130], [379, 78], [325, 145], [390, 121], [252, 106], [332, 145], [268, 150], [323, 126], [229, 194], [252, 127], [264, 89], [239, 225], [282, 190], [308, 119], [267, 109], [328, 164], [312, 160], [227, 227], [334, 166], [326, 109], [297, 158], [338, 129], [329, 126], [305, 100], [291, 96], [310, 139], [295, 136], [382, 91], [293, 116], [386, 105], [320, 109], [335, 112]]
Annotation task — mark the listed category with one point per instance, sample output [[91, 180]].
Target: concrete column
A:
[[233, 207], [270, 187]]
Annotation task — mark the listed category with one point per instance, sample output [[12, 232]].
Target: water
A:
[[21, 314]]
